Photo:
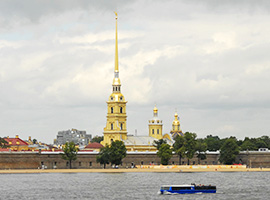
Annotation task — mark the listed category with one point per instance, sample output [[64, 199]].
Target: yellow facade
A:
[[116, 125], [155, 125]]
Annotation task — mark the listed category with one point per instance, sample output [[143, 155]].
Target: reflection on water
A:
[[230, 185]]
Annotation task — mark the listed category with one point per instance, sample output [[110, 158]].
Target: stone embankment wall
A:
[[32, 160]]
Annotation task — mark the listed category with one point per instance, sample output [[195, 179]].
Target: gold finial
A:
[[155, 109], [115, 15]]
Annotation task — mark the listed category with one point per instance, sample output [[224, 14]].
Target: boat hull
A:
[[186, 191]]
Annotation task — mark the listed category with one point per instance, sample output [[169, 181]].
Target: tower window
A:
[[111, 109], [121, 126], [153, 131], [121, 98], [158, 131], [111, 126], [111, 98], [115, 88], [121, 110]]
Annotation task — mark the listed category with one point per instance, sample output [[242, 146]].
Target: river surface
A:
[[230, 185]]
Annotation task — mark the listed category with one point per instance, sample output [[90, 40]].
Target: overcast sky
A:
[[207, 59]]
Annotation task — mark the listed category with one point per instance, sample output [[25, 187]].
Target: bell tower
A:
[[155, 125], [116, 125]]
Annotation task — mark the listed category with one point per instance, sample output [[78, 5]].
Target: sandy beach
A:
[[122, 170]]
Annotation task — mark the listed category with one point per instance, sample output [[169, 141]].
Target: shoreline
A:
[[137, 170]]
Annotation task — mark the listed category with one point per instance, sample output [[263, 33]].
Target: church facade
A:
[[116, 123]]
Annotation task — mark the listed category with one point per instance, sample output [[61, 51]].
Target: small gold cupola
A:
[[176, 130]]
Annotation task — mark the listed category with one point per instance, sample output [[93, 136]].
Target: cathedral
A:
[[116, 125]]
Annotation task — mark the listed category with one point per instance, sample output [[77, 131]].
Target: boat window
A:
[[181, 188], [165, 188]]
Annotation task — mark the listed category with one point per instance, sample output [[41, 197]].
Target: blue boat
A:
[[187, 189]]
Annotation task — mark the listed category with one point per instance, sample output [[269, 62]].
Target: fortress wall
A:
[[33, 160]]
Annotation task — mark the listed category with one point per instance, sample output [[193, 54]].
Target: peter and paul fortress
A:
[[116, 125]]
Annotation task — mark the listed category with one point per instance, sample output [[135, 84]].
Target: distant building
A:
[[73, 135], [16, 144], [93, 147]]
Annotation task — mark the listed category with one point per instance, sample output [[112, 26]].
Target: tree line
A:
[[186, 146], [189, 145]]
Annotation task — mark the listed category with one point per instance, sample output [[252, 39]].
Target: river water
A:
[[230, 185]]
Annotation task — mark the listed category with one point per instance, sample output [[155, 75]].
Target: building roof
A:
[[94, 145], [15, 142], [142, 140]]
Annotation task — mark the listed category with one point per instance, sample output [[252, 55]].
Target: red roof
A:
[[94, 145], [15, 142]]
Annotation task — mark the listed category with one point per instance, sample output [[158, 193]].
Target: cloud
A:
[[209, 60]]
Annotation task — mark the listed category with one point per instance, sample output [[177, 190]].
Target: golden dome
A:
[[155, 110], [117, 97], [176, 120], [116, 81]]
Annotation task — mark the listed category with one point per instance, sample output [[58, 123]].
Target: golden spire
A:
[[116, 45], [116, 80]]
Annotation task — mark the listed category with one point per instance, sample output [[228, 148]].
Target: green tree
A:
[[70, 152], [213, 142], [165, 153], [179, 148], [118, 151], [229, 151], [201, 148], [248, 145], [104, 156], [158, 143], [97, 139], [3, 143], [266, 139], [260, 143], [190, 144]]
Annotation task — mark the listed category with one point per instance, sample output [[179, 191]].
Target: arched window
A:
[[153, 131], [111, 126], [111, 140], [111, 109], [158, 131], [121, 126], [121, 110], [115, 88]]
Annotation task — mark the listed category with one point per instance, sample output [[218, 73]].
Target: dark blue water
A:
[[230, 185]]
